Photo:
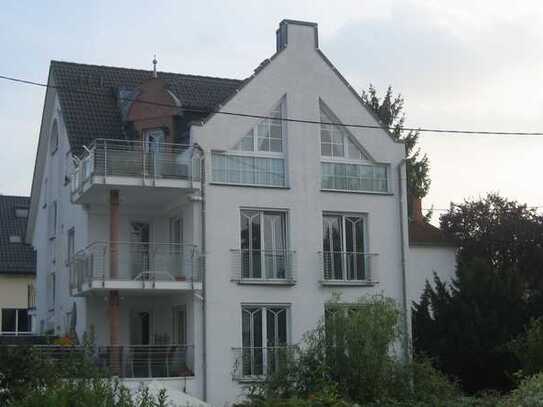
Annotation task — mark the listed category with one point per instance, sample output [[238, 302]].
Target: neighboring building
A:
[[199, 246], [431, 251], [17, 267]]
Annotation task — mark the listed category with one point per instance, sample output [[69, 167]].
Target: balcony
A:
[[257, 363], [123, 164], [131, 361], [263, 267], [349, 177], [136, 267], [348, 268]]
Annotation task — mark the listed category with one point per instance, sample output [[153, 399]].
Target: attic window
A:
[[15, 239], [21, 212]]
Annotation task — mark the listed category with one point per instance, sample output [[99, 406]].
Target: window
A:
[[263, 245], [53, 139], [267, 136], [51, 291], [335, 140], [248, 170], [354, 177], [15, 320], [15, 239], [176, 235], [344, 243], [70, 246], [52, 219], [264, 338], [21, 212], [180, 325]]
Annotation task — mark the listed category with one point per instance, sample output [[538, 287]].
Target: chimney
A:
[[297, 34], [417, 209]]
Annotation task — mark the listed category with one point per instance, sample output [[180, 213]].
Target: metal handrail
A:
[[136, 158], [161, 261], [263, 265], [256, 363], [348, 266]]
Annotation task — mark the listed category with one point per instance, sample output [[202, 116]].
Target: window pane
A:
[[337, 150], [9, 320], [247, 142], [276, 145], [23, 320]]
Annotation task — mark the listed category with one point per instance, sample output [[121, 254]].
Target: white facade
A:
[[302, 79], [424, 262]]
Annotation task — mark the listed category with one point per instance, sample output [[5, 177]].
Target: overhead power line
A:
[[285, 119]]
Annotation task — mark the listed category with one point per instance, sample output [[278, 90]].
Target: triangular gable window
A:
[[335, 140], [267, 135]]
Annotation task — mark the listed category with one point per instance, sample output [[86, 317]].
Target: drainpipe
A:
[[114, 321], [196, 146], [403, 240]]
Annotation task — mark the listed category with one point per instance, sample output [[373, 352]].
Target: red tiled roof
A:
[[425, 234]]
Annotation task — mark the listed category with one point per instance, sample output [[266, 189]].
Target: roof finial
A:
[[154, 66]]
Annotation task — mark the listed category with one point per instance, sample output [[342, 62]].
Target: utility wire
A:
[[284, 119]]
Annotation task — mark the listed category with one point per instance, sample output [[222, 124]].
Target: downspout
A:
[[403, 240], [203, 267]]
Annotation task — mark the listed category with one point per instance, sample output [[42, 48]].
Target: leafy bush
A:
[[528, 348], [90, 393], [349, 358], [528, 394]]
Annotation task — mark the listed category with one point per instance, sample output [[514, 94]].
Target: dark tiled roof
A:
[[425, 234], [15, 258], [87, 95]]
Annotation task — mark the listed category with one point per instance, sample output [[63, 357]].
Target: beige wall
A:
[[13, 291]]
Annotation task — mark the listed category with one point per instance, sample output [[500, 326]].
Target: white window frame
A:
[[264, 310], [365, 251], [16, 332]]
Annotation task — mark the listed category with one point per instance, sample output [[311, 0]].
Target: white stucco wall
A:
[[300, 73], [424, 261]]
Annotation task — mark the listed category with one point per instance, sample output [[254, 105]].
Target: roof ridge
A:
[[187, 76]]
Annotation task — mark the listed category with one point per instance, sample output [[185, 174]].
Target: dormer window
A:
[[15, 239]]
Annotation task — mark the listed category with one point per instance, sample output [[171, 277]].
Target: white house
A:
[[198, 245]]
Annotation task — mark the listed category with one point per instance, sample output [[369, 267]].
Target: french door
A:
[[264, 339], [344, 253], [140, 254], [263, 244], [154, 149]]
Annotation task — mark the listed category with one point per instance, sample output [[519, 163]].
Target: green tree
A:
[[389, 110], [466, 327]]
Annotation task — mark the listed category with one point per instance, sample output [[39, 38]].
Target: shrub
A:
[[528, 348], [528, 394]]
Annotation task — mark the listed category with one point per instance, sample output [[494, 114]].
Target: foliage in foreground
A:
[[467, 327], [90, 393], [351, 357]]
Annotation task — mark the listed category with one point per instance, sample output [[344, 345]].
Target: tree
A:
[[467, 326], [389, 110]]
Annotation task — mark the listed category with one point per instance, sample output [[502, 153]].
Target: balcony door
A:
[[263, 244], [344, 256], [264, 339], [140, 261], [154, 149], [141, 327]]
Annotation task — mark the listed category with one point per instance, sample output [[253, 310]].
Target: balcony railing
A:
[[263, 266], [248, 170], [348, 267], [136, 159], [131, 361], [257, 363], [354, 177], [137, 262]]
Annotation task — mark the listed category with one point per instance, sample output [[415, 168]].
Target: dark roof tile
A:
[[425, 234], [15, 258], [87, 95]]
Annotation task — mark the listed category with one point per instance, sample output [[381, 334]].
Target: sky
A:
[[460, 65]]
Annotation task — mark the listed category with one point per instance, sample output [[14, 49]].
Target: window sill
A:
[[355, 283], [258, 281], [230, 184], [348, 191]]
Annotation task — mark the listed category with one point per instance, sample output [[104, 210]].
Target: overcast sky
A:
[[462, 64]]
